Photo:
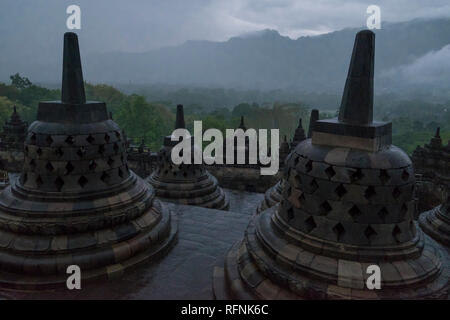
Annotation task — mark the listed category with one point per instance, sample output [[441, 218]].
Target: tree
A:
[[20, 82]]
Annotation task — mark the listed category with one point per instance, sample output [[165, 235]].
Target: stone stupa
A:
[[273, 195], [347, 204], [14, 131], [188, 184], [436, 222], [299, 135], [76, 202], [434, 162]]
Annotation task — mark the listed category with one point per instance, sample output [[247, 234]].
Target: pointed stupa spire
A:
[[357, 100], [15, 110], [179, 122], [438, 132], [299, 134], [312, 119], [242, 125], [72, 90]]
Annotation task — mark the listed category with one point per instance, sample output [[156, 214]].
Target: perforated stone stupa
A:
[[347, 204], [189, 184], [76, 202], [14, 132], [274, 194]]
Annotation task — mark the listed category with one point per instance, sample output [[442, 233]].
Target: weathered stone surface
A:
[[189, 184], [185, 272], [343, 207], [76, 201]]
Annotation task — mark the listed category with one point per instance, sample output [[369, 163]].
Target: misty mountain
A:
[[267, 60]]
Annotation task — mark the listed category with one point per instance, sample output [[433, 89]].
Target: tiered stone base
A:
[[104, 236], [436, 224], [205, 192], [272, 197], [269, 264]]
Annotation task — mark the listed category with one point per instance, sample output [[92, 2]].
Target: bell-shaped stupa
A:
[[299, 135], [347, 212], [273, 195], [189, 184], [76, 202], [436, 222], [14, 132]]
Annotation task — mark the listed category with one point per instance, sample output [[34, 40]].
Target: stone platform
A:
[[204, 235]]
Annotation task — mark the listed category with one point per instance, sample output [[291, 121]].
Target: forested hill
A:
[[268, 60], [407, 54]]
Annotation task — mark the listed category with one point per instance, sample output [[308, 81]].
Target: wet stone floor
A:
[[186, 271]]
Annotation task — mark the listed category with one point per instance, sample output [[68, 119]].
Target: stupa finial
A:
[[242, 125], [179, 122], [357, 100], [72, 90], [312, 119]]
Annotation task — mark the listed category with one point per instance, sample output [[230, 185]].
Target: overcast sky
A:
[[140, 25]]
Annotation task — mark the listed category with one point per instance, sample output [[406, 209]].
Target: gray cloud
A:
[[139, 25], [431, 69]]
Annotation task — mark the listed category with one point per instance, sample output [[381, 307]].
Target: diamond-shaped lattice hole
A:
[[26, 150], [314, 185], [383, 213], [81, 152], [330, 172], [82, 181], [116, 147], [340, 191], [90, 139], [384, 176], [308, 166], [120, 173], [339, 231], [39, 181], [396, 232], [290, 213], [59, 152], [49, 139], [39, 151], [70, 140], [310, 224], [69, 167], [325, 207], [405, 175], [59, 183], [370, 233], [356, 175], [370, 193], [107, 137], [396, 193], [110, 162], [32, 164], [92, 165], [104, 177], [185, 174], [101, 148], [354, 212], [49, 166]]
